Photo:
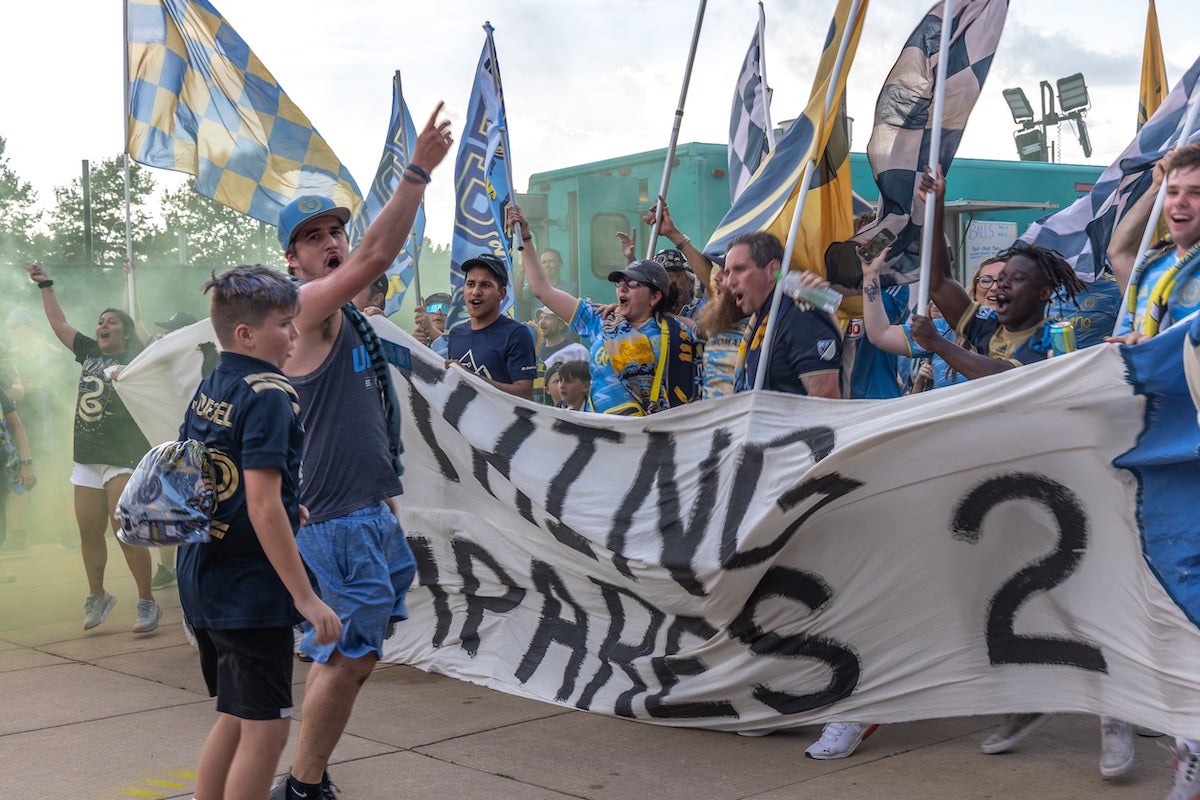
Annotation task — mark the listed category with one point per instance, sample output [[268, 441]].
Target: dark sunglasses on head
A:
[[437, 308]]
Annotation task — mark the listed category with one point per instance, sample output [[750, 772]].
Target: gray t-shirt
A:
[[346, 464]]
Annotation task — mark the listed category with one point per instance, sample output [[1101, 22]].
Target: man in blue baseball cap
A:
[[349, 474]]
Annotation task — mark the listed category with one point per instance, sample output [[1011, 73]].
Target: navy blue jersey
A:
[[104, 431], [248, 414], [503, 351], [980, 331], [806, 341]]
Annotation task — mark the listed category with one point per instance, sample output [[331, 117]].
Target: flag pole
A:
[[133, 310], [762, 75], [404, 134], [935, 156], [764, 358], [666, 177], [518, 237], [1189, 125]]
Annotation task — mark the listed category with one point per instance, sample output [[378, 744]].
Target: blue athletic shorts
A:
[[363, 567]]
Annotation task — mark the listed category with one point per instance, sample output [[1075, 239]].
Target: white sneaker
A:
[[838, 740], [149, 613], [1016, 727], [96, 608], [1116, 747], [1187, 775], [756, 732]]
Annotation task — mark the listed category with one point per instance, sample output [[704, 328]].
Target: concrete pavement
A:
[[111, 715]]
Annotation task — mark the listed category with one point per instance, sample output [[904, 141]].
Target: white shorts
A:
[[95, 476]]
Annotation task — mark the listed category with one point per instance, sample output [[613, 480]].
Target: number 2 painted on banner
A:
[[1004, 645]]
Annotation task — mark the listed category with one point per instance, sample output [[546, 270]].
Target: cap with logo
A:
[[304, 208]]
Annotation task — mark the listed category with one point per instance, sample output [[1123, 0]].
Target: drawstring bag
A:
[[170, 498]]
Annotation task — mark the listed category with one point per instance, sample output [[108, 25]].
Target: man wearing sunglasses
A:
[[431, 321]]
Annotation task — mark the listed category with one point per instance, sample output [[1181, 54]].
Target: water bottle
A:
[[825, 298]]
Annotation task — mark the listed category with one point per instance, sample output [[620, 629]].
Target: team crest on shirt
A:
[[827, 349]]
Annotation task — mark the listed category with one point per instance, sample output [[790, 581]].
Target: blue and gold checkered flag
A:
[[201, 102]]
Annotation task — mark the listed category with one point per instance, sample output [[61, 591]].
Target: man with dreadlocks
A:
[[1017, 331]]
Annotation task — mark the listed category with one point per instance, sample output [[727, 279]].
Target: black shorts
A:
[[248, 670]]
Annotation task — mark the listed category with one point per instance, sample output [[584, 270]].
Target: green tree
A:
[[108, 216], [19, 242], [206, 234]]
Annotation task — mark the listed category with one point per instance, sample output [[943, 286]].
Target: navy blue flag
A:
[[481, 183], [401, 136]]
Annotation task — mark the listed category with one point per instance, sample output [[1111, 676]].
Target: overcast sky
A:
[[584, 79]]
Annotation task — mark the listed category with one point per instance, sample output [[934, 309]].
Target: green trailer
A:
[[578, 210]]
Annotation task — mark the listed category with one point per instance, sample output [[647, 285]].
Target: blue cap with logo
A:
[[304, 208]]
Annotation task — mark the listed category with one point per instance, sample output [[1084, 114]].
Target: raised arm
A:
[[139, 327], [54, 312], [1127, 235], [949, 295], [699, 262], [385, 237], [562, 303], [964, 362], [880, 330]]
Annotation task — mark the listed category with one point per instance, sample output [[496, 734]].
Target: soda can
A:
[[1062, 338]]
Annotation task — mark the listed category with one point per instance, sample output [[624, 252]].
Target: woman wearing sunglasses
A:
[[642, 359]]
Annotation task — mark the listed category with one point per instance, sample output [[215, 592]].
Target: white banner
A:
[[764, 560]]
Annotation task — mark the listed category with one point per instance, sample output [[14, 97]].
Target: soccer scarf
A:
[[1160, 294], [383, 381]]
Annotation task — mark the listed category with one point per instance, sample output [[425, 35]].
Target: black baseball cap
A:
[[673, 260], [492, 262], [180, 319], [650, 273]]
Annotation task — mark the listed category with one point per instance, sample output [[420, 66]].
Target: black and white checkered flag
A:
[[747, 120], [900, 141]]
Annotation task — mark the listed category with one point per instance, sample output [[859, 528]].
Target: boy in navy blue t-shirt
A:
[[241, 592]]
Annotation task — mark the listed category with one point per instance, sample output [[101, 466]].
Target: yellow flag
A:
[[769, 199], [1154, 70]]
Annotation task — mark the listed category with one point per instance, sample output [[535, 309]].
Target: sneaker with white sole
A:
[[96, 608], [328, 790], [148, 614], [838, 740], [163, 576], [1016, 728], [1116, 747], [1187, 774]]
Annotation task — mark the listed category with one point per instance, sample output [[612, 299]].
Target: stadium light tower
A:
[[1030, 137]]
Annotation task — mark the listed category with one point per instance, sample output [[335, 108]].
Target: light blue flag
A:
[[401, 137], [201, 102], [481, 183]]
